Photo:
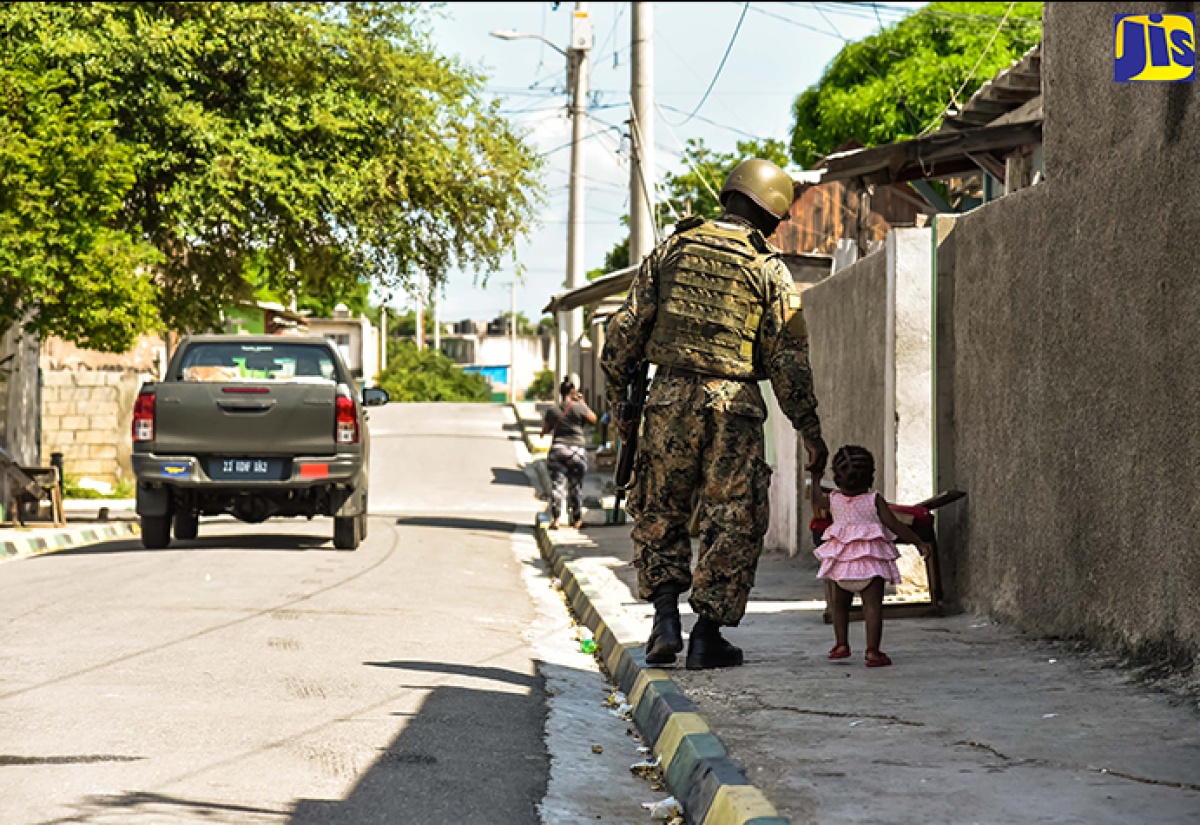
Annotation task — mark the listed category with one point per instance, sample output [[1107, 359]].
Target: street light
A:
[[516, 35], [577, 75]]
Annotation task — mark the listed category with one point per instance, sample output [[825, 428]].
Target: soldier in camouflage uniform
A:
[[714, 308]]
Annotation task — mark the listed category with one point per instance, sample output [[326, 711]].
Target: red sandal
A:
[[839, 652], [881, 659]]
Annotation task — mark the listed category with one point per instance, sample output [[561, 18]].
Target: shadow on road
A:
[[141, 806], [256, 541], [469, 756], [505, 475], [225, 541], [494, 674], [456, 523]]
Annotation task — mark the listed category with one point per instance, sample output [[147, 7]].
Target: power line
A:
[[613, 33], [797, 23], [914, 121], [712, 122], [971, 74], [721, 67], [567, 145], [640, 154], [830, 22], [688, 160], [659, 37], [538, 108]]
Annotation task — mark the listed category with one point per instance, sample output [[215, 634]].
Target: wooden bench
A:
[[29, 489]]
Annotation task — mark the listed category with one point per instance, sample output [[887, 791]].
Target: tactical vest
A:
[[711, 286]]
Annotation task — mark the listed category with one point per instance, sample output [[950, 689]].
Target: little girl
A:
[[858, 552]]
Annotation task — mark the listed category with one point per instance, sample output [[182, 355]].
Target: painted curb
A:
[[539, 464], [53, 541], [712, 789]]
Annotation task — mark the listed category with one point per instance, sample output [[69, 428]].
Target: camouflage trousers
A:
[[714, 459]]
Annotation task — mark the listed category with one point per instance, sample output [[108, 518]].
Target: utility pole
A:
[[420, 311], [569, 325], [383, 338], [437, 324], [512, 341], [642, 236], [577, 75]]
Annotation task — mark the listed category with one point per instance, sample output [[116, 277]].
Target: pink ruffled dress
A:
[[857, 547]]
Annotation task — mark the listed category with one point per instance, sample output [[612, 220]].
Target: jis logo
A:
[[1149, 48]]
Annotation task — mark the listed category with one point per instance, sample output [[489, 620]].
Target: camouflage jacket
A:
[[781, 349]]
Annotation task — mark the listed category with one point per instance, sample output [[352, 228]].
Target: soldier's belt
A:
[[680, 372]]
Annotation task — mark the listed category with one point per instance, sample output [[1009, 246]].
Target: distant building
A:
[[486, 348], [356, 338]]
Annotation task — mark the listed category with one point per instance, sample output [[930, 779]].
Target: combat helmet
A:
[[764, 183]]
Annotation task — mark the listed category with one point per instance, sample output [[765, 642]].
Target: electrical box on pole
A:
[[581, 30]]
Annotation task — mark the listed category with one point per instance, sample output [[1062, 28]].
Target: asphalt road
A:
[[258, 675]]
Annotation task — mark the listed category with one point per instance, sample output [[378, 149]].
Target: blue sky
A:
[[780, 50]]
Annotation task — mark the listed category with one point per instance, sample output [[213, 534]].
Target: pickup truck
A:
[[254, 426]]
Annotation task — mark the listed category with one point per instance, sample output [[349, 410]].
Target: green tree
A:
[[694, 190], [895, 84], [542, 388], [303, 149], [66, 265], [428, 375], [404, 324]]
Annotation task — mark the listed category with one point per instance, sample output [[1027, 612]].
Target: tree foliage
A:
[[428, 375], [172, 157], [64, 261], [404, 324], [694, 190], [542, 388], [895, 84]]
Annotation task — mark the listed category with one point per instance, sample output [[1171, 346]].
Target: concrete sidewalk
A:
[[973, 723]]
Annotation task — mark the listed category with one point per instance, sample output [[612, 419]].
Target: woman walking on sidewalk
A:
[[858, 552], [567, 461]]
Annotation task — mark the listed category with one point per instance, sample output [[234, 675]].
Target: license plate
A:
[[246, 469]]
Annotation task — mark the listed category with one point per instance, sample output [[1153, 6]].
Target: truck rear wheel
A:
[[187, 525], [347, 532], [156, 532]]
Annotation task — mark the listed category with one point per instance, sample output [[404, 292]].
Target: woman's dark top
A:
[[568, 430]]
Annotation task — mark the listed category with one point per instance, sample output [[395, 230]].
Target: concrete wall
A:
[[361, 352], [86, 416], [784, 447], [870, 342], [496, 350], [148, 355], [1076, 364], [908, 457], [847, 319], [784, 454]]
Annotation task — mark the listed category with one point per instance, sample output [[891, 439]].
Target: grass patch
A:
[[71, 489]]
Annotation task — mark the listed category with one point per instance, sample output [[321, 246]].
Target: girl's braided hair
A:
[[854, 469]]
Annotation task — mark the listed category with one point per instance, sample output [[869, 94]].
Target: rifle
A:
[[629, 411]]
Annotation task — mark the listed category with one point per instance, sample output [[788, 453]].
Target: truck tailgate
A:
[[272, 418]]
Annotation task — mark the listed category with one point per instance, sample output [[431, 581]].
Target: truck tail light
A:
[[143, 417], [346, 429]]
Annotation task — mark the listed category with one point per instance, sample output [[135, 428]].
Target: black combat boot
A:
[[666, 636], [707, 648]]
